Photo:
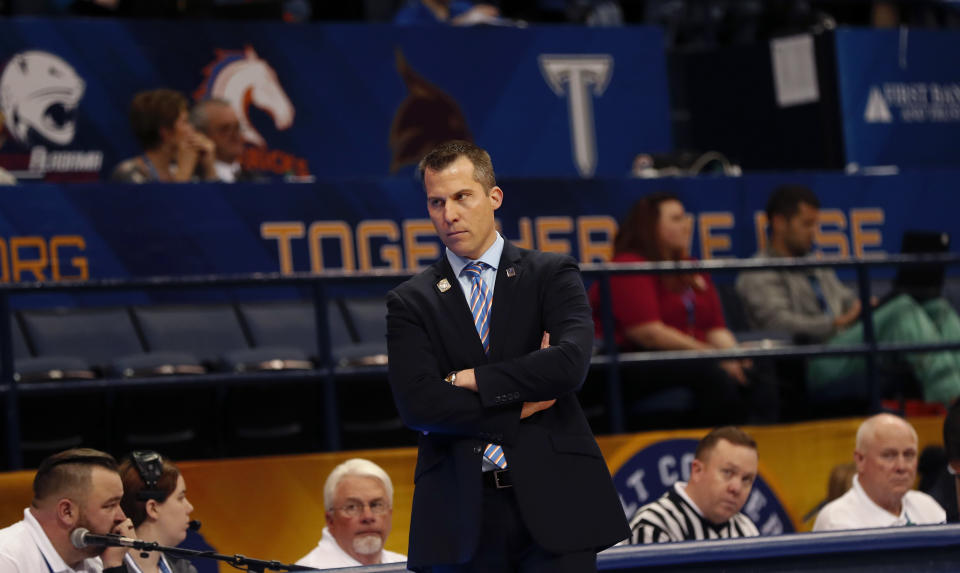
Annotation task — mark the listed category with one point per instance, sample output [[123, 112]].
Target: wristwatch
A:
[[451, 378]]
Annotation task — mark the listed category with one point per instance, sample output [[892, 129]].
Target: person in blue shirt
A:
[[444, 13]]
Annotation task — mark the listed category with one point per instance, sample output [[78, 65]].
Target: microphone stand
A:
[[238, 561]]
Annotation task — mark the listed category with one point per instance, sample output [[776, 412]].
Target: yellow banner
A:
[[272, 507]]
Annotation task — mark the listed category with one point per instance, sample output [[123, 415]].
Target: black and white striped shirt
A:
[[674, 518]]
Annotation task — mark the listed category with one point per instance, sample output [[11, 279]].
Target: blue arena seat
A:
[[214, 333], [371, 416], [97, 335], [208, 331], [48, 423], [49, 362], [367, 317], [104, 338], [292, 324]]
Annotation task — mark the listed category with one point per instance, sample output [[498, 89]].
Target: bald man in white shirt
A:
[[882, 494]]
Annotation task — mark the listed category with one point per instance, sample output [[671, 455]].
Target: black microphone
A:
[[194, 525], [81, 537]]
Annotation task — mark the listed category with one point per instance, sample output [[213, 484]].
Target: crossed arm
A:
[[467, 380], [491, 399]]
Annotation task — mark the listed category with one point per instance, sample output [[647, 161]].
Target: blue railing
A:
[[327, 372]]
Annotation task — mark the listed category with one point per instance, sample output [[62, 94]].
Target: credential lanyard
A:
[[45, 562], [690, 305], [151, 168], [132, 564]]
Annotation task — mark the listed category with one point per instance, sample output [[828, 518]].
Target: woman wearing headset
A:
[[155, 499]]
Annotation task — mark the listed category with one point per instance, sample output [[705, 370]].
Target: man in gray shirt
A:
[[814, 306]]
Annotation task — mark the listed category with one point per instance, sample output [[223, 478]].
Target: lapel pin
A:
[[511, 272], [443, 285]]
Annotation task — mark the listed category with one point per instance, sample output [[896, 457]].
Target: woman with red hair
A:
[[676, 311], [155, 499]]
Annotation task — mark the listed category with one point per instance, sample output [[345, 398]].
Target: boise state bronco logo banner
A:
[[337, 100], [654, 469]]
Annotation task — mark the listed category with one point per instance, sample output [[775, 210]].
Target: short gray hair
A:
[[199, 116], [354, 467], [868, 428]]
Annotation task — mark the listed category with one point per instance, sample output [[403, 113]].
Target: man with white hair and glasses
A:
[[358, 497]]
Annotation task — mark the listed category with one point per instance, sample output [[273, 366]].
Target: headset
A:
[[149, 465]]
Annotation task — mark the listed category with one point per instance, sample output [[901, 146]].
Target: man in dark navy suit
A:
[[487, 348]]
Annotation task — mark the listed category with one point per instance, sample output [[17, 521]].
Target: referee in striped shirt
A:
[[708, 507]]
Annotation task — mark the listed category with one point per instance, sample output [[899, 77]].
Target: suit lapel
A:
[[505, 293], [455, 309]]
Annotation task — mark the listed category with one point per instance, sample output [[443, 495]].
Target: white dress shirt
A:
[[328, 555], [855, 510], [25, 548], [489, 275], [226, 172]]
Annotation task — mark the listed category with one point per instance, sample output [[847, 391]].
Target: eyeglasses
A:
[[227, 128], [355, 508]]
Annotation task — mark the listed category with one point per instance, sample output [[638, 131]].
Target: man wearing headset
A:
[[75, 488]]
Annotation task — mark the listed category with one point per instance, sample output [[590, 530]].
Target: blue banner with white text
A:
[[900, 96]]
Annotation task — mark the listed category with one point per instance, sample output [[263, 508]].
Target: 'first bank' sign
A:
[[900, 96]]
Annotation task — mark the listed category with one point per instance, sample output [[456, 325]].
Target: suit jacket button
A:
[[477, 449]]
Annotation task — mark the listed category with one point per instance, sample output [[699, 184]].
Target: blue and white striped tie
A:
[[480, 309], [479, 302]]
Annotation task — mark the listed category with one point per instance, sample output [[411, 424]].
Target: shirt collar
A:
[[872, 506], [681, 488], [329, 542], [491, 257], [132, 564], [46, 548]]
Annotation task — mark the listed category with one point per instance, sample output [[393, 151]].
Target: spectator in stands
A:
[[216, 119], [678, 312], [173, 150], [445, 12], [358, 497], [814, 306], [951, 443], [155, 498], [708, 507], [945, 474], [840, 480], [881, 496], [76, 488]]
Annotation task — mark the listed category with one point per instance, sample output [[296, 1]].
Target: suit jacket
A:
[[561, 482]]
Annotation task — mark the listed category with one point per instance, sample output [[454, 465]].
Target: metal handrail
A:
[[329, 373]]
